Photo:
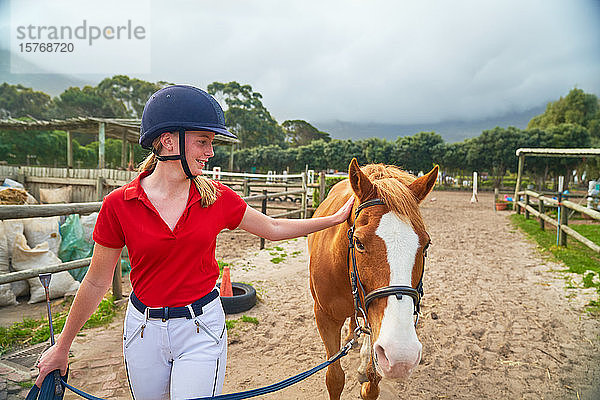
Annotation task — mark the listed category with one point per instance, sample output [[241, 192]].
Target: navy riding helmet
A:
[[180, 108]]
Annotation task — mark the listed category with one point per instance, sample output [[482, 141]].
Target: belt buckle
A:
[[147, 312]]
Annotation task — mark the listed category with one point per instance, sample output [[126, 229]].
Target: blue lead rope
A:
[[254, 392]]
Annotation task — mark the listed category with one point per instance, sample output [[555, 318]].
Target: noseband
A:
[[394, 290]]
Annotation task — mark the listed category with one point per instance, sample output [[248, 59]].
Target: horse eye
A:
[[358, 244]]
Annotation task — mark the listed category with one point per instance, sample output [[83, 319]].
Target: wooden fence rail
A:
[[563, 229]]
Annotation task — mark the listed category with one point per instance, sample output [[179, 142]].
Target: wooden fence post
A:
[[322, 186], [304, 195], [264, 211], [541, 210], [101, 144], [518, 183], [117, 285], [564, 216], [100, 188], [526, 204], [246, 188], [496, 192], [69, 153], [124, 148]]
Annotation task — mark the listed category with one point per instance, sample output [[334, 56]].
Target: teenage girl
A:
[[174, 340]]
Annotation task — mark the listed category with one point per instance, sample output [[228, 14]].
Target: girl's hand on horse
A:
[[343, 213], [56, 357]]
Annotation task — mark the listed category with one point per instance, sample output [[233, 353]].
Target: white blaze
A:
[[397, 334]]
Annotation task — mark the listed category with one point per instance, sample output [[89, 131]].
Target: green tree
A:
[[376, 150], [131, 92], [87, 102], [299, 132], [578, 108], [339, 153], [246, 115], [416, 153], [19, 101], [494, 150]]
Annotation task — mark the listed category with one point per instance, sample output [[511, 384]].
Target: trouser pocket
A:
[[211, 321], [137, 333]]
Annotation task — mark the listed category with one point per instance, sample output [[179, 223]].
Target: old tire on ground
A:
[[244, 298]]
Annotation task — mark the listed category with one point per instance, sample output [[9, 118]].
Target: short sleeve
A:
[[233, 207], [108, 231]]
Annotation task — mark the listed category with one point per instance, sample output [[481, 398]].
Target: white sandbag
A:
[[52, 196], [3, 250], [12, 229], [12, 183], [20, 288], [25, 257], [30, 199], [43, 229], [87, 223], [7, 296]]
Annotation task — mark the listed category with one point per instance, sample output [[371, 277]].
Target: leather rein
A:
[[361, 306]]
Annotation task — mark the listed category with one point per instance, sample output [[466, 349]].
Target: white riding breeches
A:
[[176, 359]]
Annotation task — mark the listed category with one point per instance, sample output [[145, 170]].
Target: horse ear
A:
[[362, 186], [423, 185]]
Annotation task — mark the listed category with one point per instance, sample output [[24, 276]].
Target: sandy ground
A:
[[497, 320]]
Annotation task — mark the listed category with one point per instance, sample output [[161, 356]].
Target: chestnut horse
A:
[[389, 240]]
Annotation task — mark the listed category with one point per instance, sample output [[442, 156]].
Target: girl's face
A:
[[198, 149]]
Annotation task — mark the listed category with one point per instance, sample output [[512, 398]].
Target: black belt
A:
[[166, 313]]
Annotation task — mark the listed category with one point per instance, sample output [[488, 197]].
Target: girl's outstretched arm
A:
[[278, 229]]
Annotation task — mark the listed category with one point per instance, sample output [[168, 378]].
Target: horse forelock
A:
[[391, 184]]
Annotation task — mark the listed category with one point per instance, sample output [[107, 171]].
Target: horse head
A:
[[390, 241]]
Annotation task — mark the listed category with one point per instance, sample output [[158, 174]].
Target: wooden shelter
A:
[[548, 152], [128, 130]]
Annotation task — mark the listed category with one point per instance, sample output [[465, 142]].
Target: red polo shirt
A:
[[168, 268]]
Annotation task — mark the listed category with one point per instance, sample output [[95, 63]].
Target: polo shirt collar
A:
[[134, 190]]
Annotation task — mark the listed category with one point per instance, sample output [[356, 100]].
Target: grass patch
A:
[[232, 323], [34, 331], [27, 384], [577, 257], [222, 264], [277, 260], [591, 232], [250, 320]]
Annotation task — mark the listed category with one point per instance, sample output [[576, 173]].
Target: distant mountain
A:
[[451, 131], [50, 83]]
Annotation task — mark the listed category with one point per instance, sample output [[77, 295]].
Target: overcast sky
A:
[[378, 61]]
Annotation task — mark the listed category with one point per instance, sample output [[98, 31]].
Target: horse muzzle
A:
[[396, 362]]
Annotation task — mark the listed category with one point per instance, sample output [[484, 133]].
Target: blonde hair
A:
[[206, 187]]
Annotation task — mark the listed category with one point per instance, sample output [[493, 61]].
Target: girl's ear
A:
[[167, 140]]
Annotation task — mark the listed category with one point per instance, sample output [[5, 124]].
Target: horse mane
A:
[[392, 184]]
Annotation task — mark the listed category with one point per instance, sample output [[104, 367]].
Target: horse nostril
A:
[[380, 357]]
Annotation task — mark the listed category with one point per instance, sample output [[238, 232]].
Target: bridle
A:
[[361, 307]]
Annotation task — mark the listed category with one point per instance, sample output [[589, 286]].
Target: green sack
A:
[[73, 245]]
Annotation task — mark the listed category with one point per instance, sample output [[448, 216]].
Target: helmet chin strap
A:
[[180, 156]]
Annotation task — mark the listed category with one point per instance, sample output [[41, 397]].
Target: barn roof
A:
[[114, 127], [549, 152]]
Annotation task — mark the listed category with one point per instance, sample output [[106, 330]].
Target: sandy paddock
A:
[[497, 320]]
